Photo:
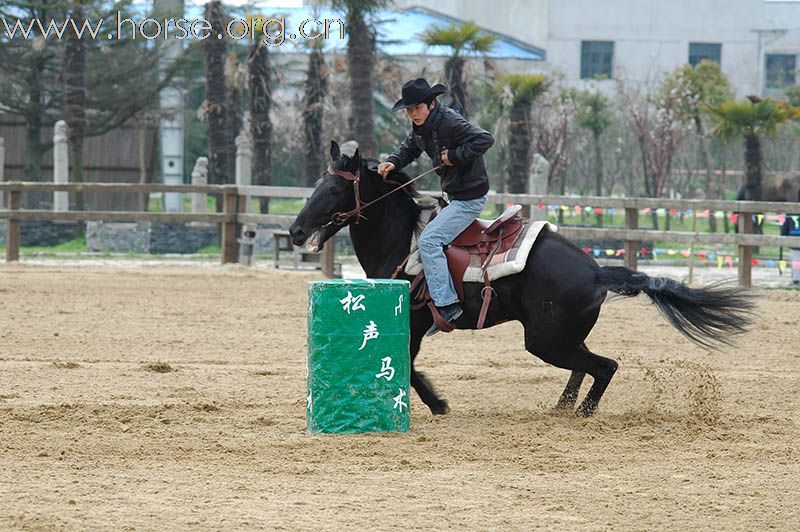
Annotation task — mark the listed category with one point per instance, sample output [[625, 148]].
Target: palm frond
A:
[[461, 38], [526, 87]]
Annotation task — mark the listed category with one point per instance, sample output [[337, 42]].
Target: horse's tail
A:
[[704, 315]]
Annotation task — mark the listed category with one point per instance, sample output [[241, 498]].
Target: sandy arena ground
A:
[[93, 435]]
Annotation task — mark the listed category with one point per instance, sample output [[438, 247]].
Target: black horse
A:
[[557, 297]]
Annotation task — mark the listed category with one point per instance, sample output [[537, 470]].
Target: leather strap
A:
[[444, 326], [487, 290]]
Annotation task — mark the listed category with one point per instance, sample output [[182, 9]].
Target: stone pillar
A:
[[244, 160], [2, 167], [60, 166], [537, 184], [170, 102], [199, 177]]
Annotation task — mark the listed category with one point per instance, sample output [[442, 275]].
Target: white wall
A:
[[651, 37]]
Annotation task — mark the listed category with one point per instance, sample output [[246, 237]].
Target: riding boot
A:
[[449, 313]]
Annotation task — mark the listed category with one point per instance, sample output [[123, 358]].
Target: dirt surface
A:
[[173, 398]]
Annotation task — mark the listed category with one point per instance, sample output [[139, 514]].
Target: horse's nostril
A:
[[298, 236]]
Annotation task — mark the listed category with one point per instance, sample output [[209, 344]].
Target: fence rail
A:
[[235, 202]]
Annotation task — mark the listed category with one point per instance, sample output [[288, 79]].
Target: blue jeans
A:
[[439, 232]]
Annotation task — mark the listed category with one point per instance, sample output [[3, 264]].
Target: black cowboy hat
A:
[[416, 91]]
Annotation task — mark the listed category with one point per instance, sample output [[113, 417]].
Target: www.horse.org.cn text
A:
[[271, 31]]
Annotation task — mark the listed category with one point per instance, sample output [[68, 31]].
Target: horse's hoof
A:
[[440, 408]]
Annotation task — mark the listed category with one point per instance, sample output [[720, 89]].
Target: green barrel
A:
[[359, 366]]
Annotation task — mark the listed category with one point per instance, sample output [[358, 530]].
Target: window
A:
[[596, 59], [704, 50], [781, 70]]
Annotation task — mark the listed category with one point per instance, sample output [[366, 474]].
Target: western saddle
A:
[[482, 239]]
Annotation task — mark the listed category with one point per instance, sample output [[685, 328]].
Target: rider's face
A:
[[419, 113]]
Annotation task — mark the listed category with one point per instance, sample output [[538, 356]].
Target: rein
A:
[[340, 218]]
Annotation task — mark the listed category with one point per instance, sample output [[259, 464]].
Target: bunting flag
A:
[[711, 256], [662, 211]]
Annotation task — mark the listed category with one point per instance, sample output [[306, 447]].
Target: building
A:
[[756, 42]]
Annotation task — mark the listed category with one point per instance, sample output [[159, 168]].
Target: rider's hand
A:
[[384, 169], [446, 159]]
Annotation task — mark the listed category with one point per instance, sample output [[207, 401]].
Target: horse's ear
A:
[[356, 160], [335, 153]]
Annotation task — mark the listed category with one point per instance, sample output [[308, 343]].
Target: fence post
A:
[[631, 246], [2, 168], [12, 236], [745, 252], [230, 227], [327, 258]]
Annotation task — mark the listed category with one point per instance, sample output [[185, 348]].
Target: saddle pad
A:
[[502, 264]]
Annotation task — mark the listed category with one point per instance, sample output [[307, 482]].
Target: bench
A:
[[302, 259]]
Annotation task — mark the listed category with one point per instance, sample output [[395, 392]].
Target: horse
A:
[[557, 297], [776, 187]]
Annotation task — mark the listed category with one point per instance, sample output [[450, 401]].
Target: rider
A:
[[457, 145]]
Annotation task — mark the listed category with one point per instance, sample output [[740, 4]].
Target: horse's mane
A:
[[400, 206]]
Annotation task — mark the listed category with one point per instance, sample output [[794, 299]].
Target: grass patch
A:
[[210, 250]]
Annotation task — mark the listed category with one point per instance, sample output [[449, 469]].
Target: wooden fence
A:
[[236, 198]]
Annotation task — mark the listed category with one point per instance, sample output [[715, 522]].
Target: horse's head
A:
[[332, 194]]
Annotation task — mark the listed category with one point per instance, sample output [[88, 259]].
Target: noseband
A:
[[341, 218]]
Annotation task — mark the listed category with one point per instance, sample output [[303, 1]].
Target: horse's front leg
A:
[[419, 324]]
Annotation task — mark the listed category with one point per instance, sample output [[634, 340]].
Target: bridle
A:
[[341, 218]]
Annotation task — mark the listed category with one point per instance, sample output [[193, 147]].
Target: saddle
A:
[[483, 239]]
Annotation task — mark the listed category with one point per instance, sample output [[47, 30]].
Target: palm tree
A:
[[750, 119], [462, 39], [215, 109], [234, 81], [525, 89], [260, 84], [594, 116], [315, 92], [360, 68]]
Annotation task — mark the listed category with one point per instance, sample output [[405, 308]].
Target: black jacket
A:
[[465, 144]]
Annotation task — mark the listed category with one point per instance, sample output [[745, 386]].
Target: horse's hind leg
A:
[[570, 394], [602, 369], [581, 361]]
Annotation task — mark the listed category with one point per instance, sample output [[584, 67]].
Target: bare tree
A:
[[553, 120]]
